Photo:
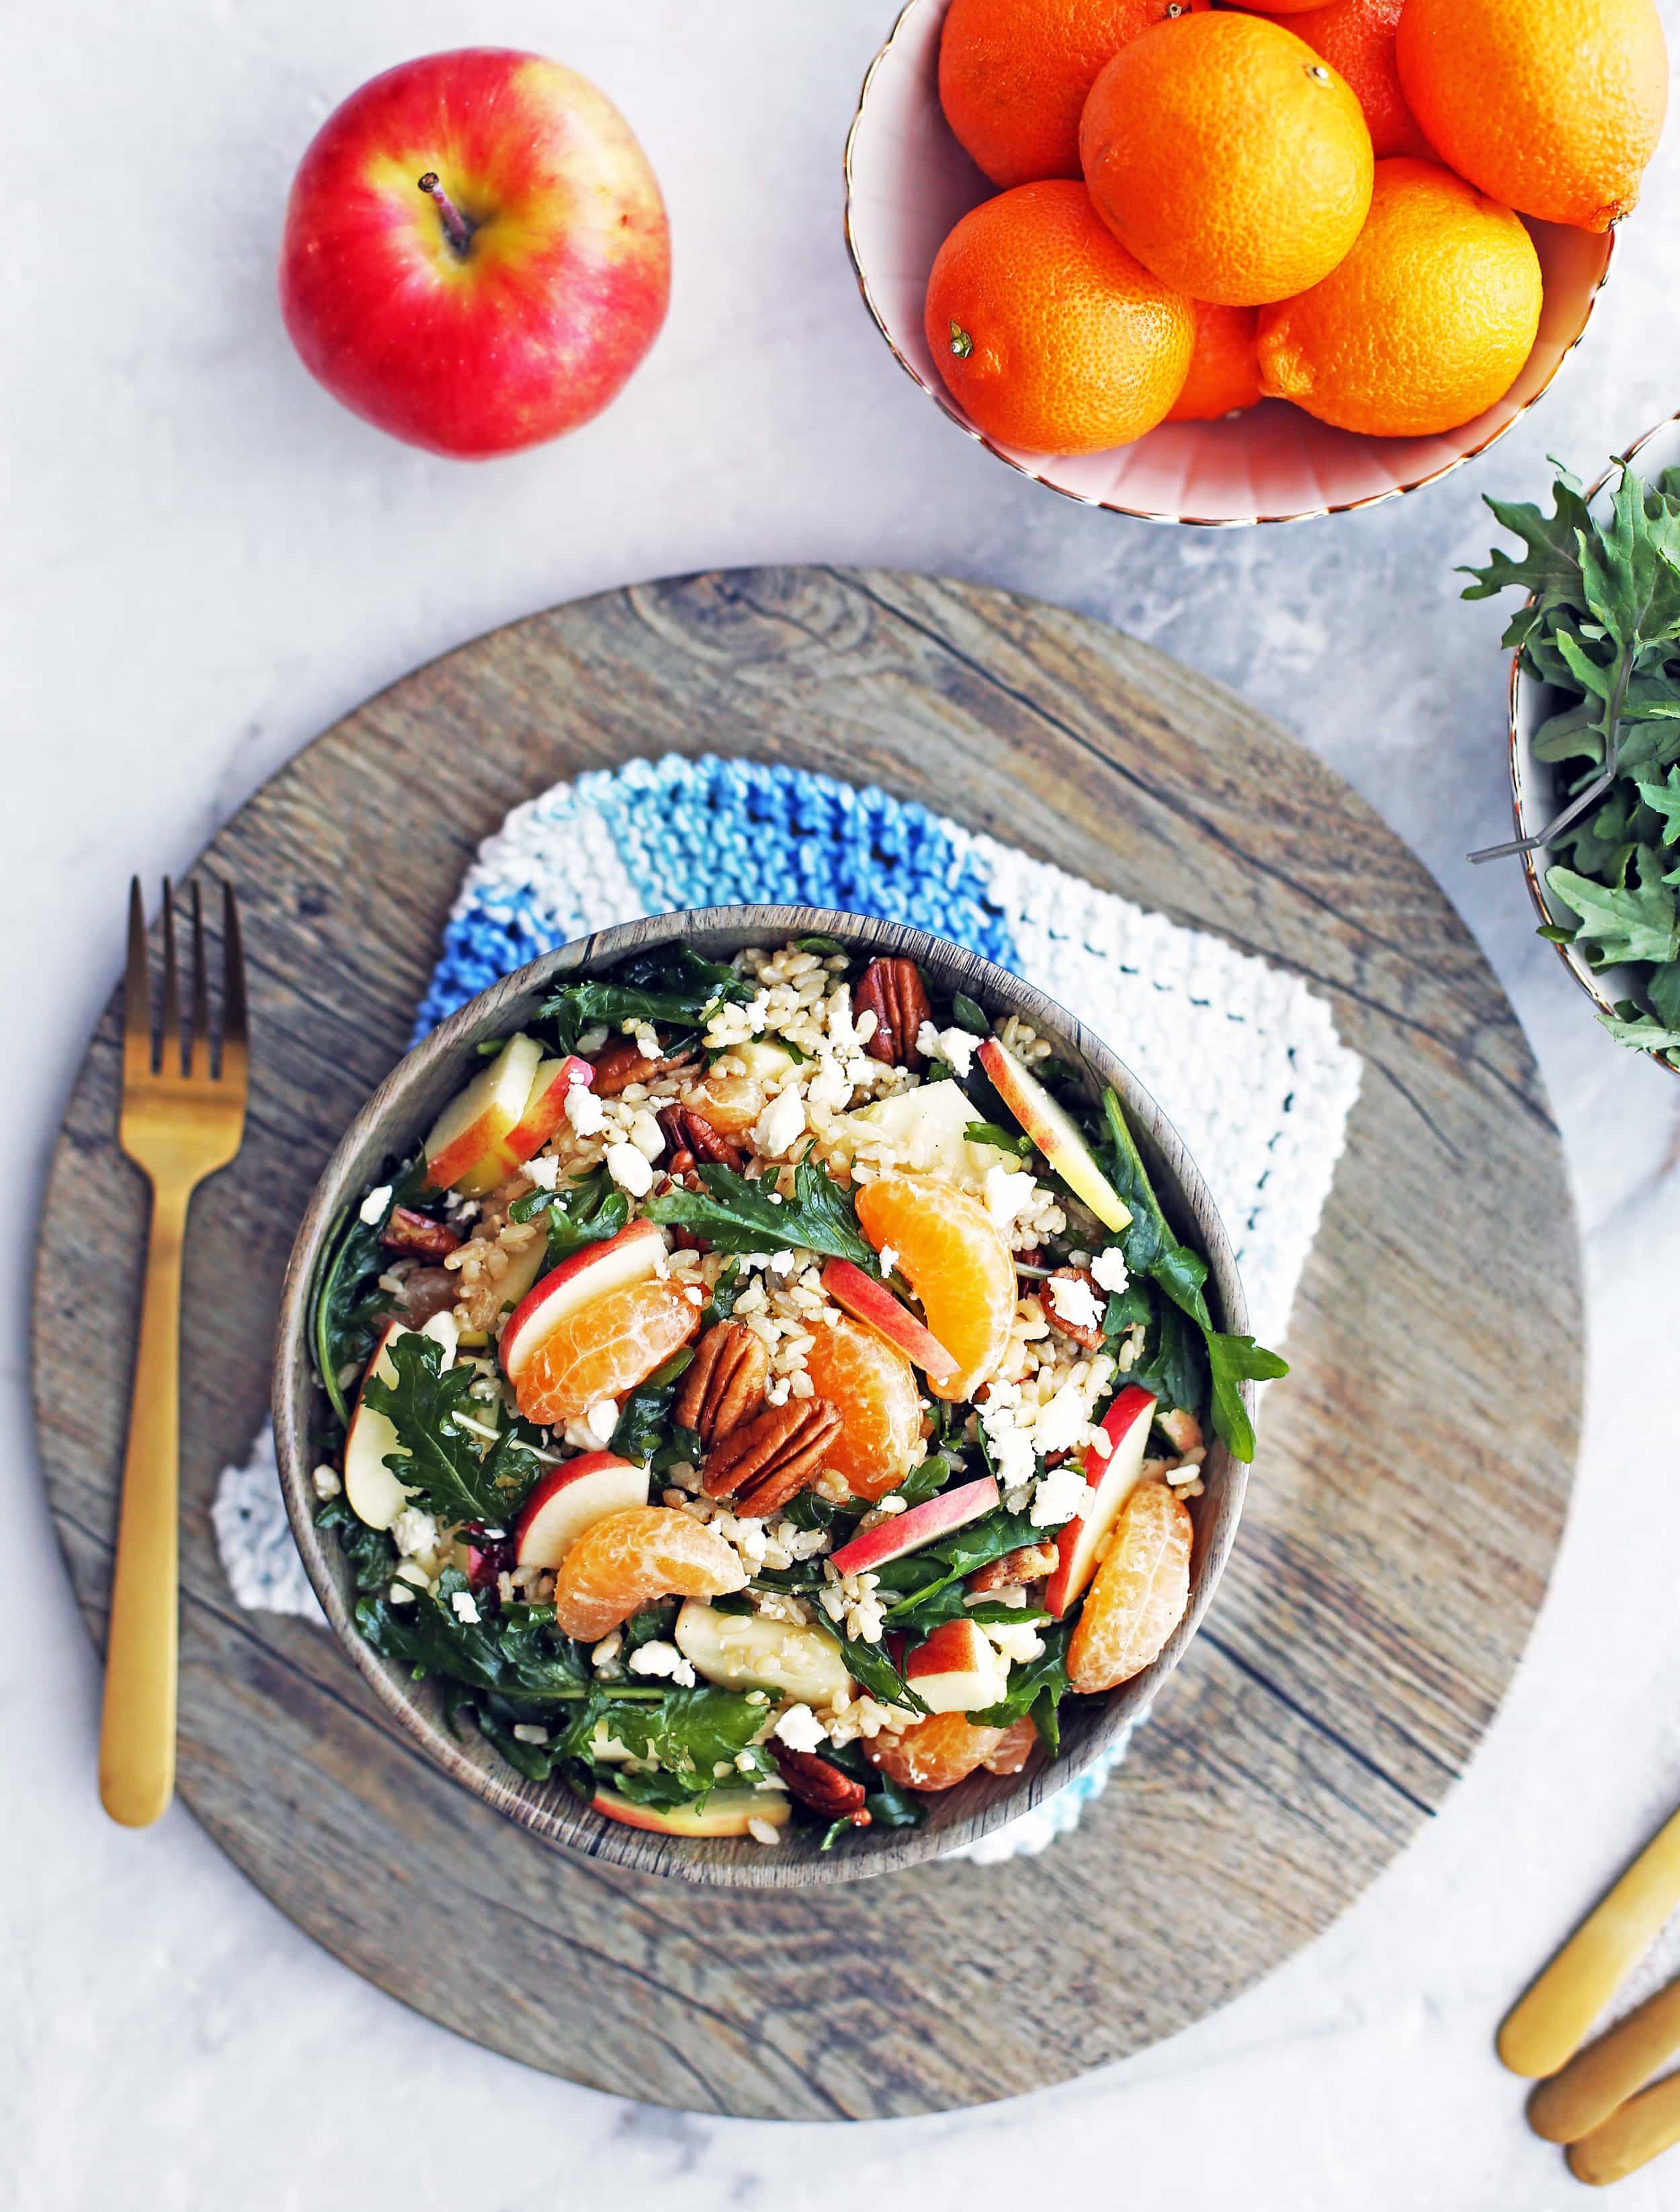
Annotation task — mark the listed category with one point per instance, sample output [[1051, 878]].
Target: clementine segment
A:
[[1012, 1750], [951, 1255], [603, 1349], [1554, 106], [1014, 74], [936, 1753], [1140, 1593], [1357, 38], [874, 1386], [1049, 334], [1232, 160], [1427, 322], [1224, 369], [627, 1559]]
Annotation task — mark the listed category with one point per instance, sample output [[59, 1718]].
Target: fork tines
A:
[[148, 1054]]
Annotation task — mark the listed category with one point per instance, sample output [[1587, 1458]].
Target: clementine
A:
[[1048, 332], [1425, 324], [1232, 160], [1357, 38], [1224, 372], [1552, 106], [1014, 74]]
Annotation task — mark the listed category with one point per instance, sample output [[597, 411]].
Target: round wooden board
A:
[[1413, 1473]]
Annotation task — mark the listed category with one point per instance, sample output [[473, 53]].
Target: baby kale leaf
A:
[[678, 989], [736, 1214], [442, 1462]]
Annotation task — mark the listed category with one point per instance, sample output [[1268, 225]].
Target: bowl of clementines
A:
[[1226, 265]]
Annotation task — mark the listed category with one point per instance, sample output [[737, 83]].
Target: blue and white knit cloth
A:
[[1242, 1057]]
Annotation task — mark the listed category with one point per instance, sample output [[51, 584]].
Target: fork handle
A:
[[137, 1730]]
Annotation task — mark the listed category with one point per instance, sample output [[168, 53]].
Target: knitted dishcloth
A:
[[1244, 1059]]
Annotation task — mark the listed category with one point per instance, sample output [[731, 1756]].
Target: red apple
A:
[[1055, 1132], [726, 1812], [478, 1119], [958, 1669], [635, 1252], [873, 1304], [476, 256], [1109, 1482], [571, 1499], [922, 1524], [543, 1113]]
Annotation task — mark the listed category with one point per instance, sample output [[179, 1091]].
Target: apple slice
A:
[[571, 1499], [745, 1651], [875, 1305], [958, 1669], [1109, 1482], [375, 1494], [922, 1524], [481, 1117], [726, 1812], [544, 1111], [634, 1253], [1055, 1133]]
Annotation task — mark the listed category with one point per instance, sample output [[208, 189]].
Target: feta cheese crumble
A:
[[659, 1657], [1074, 1302], [585, 1111], [800, 1729], [1059, 1495], [374, 1205], [544, 1171], [1109, 1269], [781, 1125], [464, 1606], [631, 1169], [956, 1046], [414, 1532], [602, 1419]]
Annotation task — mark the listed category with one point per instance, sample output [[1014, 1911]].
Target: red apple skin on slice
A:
[[958, 1669], [727, 1813], [1110, 1482], [634, 1253], [375, 1494], [480, 1118], [922, 1524], [873, 1304], [571, 1499], [544, 1111], [1055, 1133]]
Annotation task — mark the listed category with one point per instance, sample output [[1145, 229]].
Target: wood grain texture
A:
[[1412, 1475]]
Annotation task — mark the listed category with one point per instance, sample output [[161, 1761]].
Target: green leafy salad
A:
[[769, 1393], [1602, 627]]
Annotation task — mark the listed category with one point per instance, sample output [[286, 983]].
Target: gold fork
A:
[[182, 1119]]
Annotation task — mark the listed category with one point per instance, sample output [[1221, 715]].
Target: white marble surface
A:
[[204, 560]]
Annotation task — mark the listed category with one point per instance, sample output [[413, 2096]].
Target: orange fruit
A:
[[1013, 1748], [873, 1386], [603, 1349], [1014, 74], [626, 1560], [935, 1754], [1140, 1593], [1427, 322], [1228, 157], [1047, 332], [1357, 38], [951, 1255], [1280, 7], [1224, 374], [1554, 106]]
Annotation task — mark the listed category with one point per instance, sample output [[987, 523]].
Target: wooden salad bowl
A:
[[393, 1123]]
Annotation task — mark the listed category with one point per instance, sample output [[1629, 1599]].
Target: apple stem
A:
[[456, 227]]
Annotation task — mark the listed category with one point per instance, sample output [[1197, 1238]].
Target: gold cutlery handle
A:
[[137, 1730], [1601, 2077], [1547, 2025], [1631, 2136]]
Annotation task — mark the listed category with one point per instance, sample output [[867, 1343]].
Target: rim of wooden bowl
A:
[[948, 406], [1525, 693], [393, 1121]]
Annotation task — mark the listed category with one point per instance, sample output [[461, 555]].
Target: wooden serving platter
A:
[[1412, 1476]]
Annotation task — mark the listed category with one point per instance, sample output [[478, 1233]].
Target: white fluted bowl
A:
[[908, 182]]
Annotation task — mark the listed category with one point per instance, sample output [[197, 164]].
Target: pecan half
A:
[[425, 1291], [725, 1383], [1088, 1338], [894, 991], [687, 1130], [1030, 1564], [773, 1457], [620, 1062], [409, 1231], [821, 1787]]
